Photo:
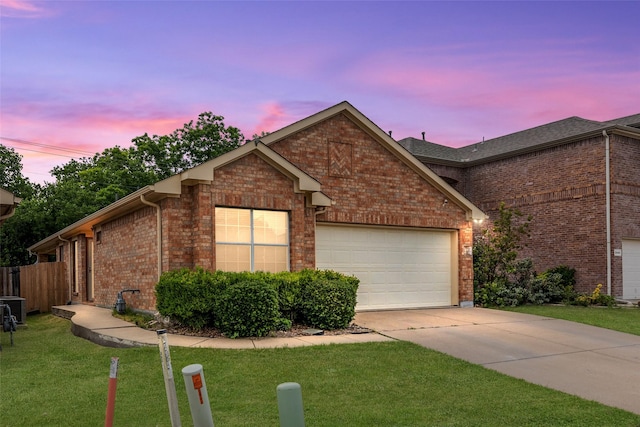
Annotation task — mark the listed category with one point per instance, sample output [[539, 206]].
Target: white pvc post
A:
[[169, 382], [198, 396], [290, 405]]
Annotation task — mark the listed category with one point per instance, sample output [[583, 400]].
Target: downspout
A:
[[608, 207], [70, 272], [159, 231]]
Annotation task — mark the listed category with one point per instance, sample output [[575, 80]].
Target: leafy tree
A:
[[11, 178], [189, 146], [30, 224], [495, 251], [86, 185]]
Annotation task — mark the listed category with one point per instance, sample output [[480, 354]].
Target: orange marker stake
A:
[[111, 397], [197, 384]]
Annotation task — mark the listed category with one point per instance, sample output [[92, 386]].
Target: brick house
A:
[[331, 191], [579, 179]]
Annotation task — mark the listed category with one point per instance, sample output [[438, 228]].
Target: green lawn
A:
[[53, 378], [619, 319]]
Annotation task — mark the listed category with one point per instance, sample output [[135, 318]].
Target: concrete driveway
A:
[[593, 363]]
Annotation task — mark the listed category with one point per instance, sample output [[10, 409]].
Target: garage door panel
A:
[[397, 268], [631, 269]]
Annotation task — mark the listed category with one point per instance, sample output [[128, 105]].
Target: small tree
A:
[[495, 251]]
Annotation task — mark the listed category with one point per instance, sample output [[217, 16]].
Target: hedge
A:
[[254, 304]]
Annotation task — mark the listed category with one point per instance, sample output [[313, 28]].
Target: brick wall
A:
[[125, 258], [250, 182], [625, 199], [564, 189], [369, 185]]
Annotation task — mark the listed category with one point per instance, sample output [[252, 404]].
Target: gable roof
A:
[[172, 187], [363, 122], [537, 138], [302, 182]]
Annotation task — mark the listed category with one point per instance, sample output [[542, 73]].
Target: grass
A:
[[619, 319], [53, 378]]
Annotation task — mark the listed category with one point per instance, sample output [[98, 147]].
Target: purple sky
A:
[[83, 76]]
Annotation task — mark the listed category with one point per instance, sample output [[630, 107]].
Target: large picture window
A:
[[252, 240]]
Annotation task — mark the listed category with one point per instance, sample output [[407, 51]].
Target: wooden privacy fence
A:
[[44, 285]]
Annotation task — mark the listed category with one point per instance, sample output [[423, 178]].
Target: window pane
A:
[[233, 225], [271, 258], [270, 227], [233, 257]]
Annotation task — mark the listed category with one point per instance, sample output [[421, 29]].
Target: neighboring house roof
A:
[[551, 134], [302, 182], [8, 203]]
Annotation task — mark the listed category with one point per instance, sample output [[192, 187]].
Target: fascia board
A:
[[7, 198], [473, 212], [388, 142], [305, 123], [304, 182], [84, 226], [318, 198]]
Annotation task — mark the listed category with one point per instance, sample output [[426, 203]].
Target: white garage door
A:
[[397, 268], [631, 269]]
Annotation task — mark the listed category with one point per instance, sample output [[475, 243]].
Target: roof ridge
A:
[[538, 127]]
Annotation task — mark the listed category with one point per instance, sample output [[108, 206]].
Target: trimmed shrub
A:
[[253, 304], [328, 298], [248, 308], [189, 296], [287, 285]]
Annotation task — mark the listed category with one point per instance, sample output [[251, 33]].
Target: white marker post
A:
[[198, 396], [169, 382], [290, 405]]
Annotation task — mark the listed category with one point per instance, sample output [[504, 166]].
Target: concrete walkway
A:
[[98, 325], [593, 363]]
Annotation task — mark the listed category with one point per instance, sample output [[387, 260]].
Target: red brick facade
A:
[[367, 183], [335, 167], [564, 189]]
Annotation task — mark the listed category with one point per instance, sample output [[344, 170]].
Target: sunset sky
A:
[[80, 76]]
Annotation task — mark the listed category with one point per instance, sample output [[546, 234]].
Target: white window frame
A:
[[252, 243]]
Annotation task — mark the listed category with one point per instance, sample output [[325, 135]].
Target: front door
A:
[[89, 269]]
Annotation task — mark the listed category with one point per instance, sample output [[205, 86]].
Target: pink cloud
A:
[[499, 94], [276, 115], [22, 9]]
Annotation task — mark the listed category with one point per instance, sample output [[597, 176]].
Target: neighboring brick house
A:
[[330, 191], [558, 174]]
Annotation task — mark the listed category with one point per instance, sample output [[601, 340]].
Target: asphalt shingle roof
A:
[[515, 142]]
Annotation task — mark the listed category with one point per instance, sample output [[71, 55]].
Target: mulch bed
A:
[[295, 331]]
